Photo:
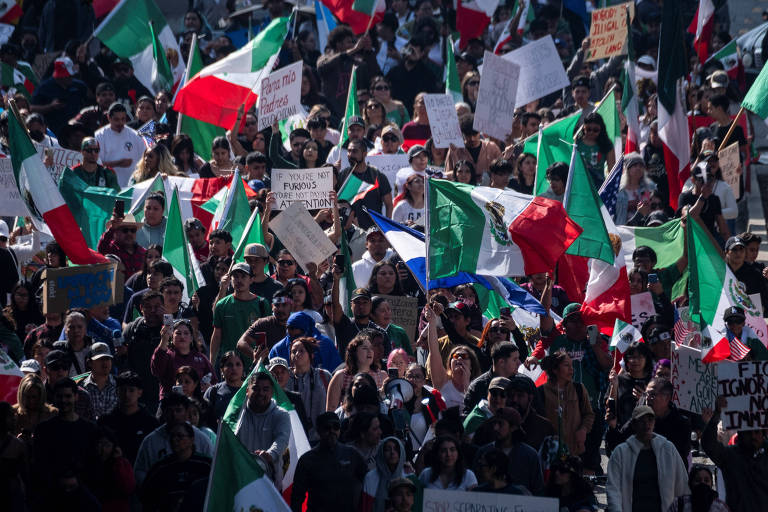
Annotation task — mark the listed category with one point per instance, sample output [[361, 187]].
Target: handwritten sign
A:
[[730, 165], [11, 204], [495, 109], [694, 382], [280, 95], [301, 235], [642, 308], [608, 31], [309, 186], [405, 313], [443, 120], [62, 158], [83, 286], [388, 165], [745, 386], [436, 500], [541, 70]]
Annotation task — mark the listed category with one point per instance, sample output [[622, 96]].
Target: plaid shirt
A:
[[133, 262], [104, 401]]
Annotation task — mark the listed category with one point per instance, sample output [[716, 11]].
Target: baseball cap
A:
[[734, 312], [4, 229], [459, 306], [734, 241], [361, 293], [522, 383], [241, 267], [656, 219], [390, 129], [397, 483], [277, 361], [100, 350], [57, 356], [89, 142], [570, 309], [63, 68], [355, 120], [256, 250], [193, 223], [499, 383], [647, 60], [580, 81], [718, 79], [642, 410], [30, 366], [373, 231], [415, 150]]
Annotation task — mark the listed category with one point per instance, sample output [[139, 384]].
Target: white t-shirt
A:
[[404, 212], [469, 481], [116, 146]]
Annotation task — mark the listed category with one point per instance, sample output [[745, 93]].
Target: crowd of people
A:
[[120, 405]]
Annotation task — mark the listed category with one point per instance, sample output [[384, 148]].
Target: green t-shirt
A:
[[102, 177], [399, 338], [582, 372], [234, 316]]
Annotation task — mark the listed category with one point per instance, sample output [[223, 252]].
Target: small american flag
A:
[[738, 350], [682, 328], [610, 187], [147, 133]]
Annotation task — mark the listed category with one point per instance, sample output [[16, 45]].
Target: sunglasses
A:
[[92, 150], [502, 330], [286, 263], [55, 367], [389, 138], [381, 88], [128, 230], [460, 355]]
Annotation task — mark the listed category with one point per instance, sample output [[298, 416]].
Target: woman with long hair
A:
[[78, 344], [464, 172], [595, 148], [310, 87], [418, 127], [31, 407], [423, 415], [525, 174], [221, 164], [138, 281], [184, 157], [390, 463], [703, 497], [363, 434], [635, 188], [156, 160], [381, 90], [447, 471], [23, 309], [301, 298], [374, 113], [310, 155], [177, 349], [470, 86], [307, 380], [383, 280], [189, 381], [409, 204], [436, 155], [359, 359], [381, 313]]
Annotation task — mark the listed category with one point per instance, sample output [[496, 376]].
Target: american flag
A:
[[610, 187], [682, 328], [147, 133], [738, 350]]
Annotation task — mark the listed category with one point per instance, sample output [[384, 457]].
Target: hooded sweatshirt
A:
[[270, 431], [326, 355]]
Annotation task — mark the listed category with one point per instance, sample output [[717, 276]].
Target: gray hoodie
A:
[[157, 445], [269, 431]]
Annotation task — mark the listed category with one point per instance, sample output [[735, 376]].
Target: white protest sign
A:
[[388, 165], [745, 386], [301, 235], [755, 318], [309, 186], [730, 165], [280, 95], [495, 109], [541, 70], [436, 500], [11, 204], [642, 308], [608, 31], [694, 382], [405, 313], [443, 121], [62, 158]]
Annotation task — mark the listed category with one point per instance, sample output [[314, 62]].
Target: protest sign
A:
[[642, 308], [388, 165], [308, 186], [62, 158], [280, 95], [11, 204], [694, 382], [541, 70], [436, 500], [495, 109], [443, 121], [745, 386], [730, 165], [405, 313], [301, 235], [83, 286], [608, 31], [755, 318]]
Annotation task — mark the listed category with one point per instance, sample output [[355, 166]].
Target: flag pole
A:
[[427, 237], [730, 130], [192, 46]]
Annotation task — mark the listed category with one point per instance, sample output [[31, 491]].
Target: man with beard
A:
[[347, 328], [270, 329], [376, 197], [412, 75]]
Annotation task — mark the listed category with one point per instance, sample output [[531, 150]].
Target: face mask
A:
[[702, 497], [36, 135]]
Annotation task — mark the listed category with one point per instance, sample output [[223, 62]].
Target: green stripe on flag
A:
[[124, 30], [353, 107], [176, 250], [162, 76], [610, 114], [268, 42], [706, 267], [756, 99], [557, 145], [252, 234], [456, 227], [237, 210], [365, 6], [452, 82]]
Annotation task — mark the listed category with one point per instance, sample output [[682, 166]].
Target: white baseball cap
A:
[[4, 229]]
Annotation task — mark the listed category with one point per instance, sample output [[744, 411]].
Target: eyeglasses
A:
[[128, 230], [381, 88], [286, 263], [414, 376], [389, 138], [502, 330], [460, 355], [498, 393], [91, 150], [473, 83]]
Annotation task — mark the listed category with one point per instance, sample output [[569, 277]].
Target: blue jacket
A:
[[326, 355]]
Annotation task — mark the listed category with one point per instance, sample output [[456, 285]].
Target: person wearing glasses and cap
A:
[[735, 321], [736, 257], [90, 171], [120, 239]]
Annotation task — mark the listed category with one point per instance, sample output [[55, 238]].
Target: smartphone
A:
[[167, 319], [339, 260], [653, 278], [119, 210], [592, 333], [393, 373], [177, 389], [261, 339], [505, 312]]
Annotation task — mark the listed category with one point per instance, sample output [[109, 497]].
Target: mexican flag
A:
[[200, 132], [352, 108], [12, 78], [10, 377], [354, 189], [756, 99], [624, 334], [162, 76], [10, 12], [347, 283], [125, 31], [237, 481], [43, 200], [729, 56], [252, 234], [360, 15], [629, 104], [178, 252], [472, 18], [610, 114], [298, 444], [582, 204], [452, 82], [233, 213], [701, 27], [494, 232], [553, 143], [215, 94]]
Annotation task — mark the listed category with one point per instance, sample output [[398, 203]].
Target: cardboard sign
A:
[[541, 70], [83, 286], [642, 308], [280, 95], [755, 318], [388, 165], [495, 109], [608, 31], [62, 158], [405, 313], [443, 120], [730, 166], [11, 204], [745, 386], [694, 382], [308, 186], [436, 500], [301, 235]]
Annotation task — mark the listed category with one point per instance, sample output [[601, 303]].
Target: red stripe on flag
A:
[[356, 20], [194, 100], [9, 386], [612, 304], [719, 352], [13, 15], [408, 143], [674, 179], [470, 23], [68, 235], [572, 275], [543, 215]]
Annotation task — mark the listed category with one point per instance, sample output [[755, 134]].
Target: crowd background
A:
[[120, 405]]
